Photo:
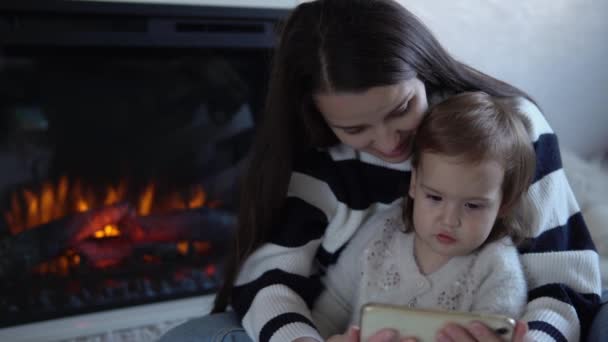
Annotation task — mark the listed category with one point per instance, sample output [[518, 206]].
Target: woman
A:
[[351, 81]]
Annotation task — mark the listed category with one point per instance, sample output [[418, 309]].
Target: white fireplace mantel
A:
[[108, 321], [230, 3]]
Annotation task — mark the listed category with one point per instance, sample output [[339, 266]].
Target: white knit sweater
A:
[[490, 280]]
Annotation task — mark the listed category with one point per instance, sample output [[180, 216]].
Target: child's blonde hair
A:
[[477, 127]]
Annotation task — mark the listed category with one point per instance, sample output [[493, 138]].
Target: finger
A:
[[481, 332], [384, 335], [353, 334], [520, 331], [443, 337], [454, 333], [408, 339]]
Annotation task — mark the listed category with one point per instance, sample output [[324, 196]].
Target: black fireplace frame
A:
[[58, 26], [101, 24]]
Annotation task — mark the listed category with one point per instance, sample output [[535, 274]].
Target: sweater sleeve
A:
[[560, 261], [330, 194], [502, 288], [278, 284]]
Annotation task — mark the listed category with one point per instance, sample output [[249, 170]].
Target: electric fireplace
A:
[[123, 131]]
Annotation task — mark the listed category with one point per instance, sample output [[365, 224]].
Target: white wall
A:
[[556, 50]]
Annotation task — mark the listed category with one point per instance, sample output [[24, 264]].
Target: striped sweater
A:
[[332, 192]]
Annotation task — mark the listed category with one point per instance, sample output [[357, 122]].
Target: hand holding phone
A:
[[424, 324]]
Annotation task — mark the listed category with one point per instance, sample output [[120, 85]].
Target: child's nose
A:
[[451, 216]]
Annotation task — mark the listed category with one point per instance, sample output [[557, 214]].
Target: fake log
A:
[[21, 252]]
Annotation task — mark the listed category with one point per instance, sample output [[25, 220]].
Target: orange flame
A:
[[183, 247], [61, 264], [110, 230], [145, 202], [198, 199], [29, 208]]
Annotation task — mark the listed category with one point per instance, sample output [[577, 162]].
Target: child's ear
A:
[[412, 189]]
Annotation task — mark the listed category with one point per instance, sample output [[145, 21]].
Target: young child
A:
[[451, 245]]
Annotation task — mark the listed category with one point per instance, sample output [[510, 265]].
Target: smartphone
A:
[[424, 324]]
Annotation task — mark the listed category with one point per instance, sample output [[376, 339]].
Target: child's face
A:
[[455, 205], [380, 121]]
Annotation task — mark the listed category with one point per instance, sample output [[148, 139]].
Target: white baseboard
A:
[[107, 321]]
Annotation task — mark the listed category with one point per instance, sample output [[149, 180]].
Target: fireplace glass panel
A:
[[120, 173]]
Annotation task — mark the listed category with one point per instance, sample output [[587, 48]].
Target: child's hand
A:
[[351, 335], [477, 331], [384, 335]]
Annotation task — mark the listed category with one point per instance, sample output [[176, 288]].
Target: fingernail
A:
[[477, 328], [442, 338], [388, 335]]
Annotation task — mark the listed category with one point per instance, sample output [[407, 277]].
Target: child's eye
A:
[[473, 206], [433, 197]]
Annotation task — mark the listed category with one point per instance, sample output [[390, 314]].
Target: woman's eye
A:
[[473, 206], [433, 197], [400, 113], [403, 111]]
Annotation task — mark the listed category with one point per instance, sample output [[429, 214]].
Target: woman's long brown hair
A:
[[332, 46]]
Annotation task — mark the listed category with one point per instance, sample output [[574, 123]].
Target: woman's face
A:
[[380, 121]]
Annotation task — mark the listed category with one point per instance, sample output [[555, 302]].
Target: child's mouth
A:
[[445, 238]]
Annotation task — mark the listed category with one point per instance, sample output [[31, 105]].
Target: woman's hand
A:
[[306, 339], [384, 335], [477, 331], [351, 335]]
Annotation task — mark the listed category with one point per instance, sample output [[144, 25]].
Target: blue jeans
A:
[[220, 327], [225, 327], [599, 329]]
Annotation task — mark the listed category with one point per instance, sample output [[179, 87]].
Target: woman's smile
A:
[[400, 153]]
